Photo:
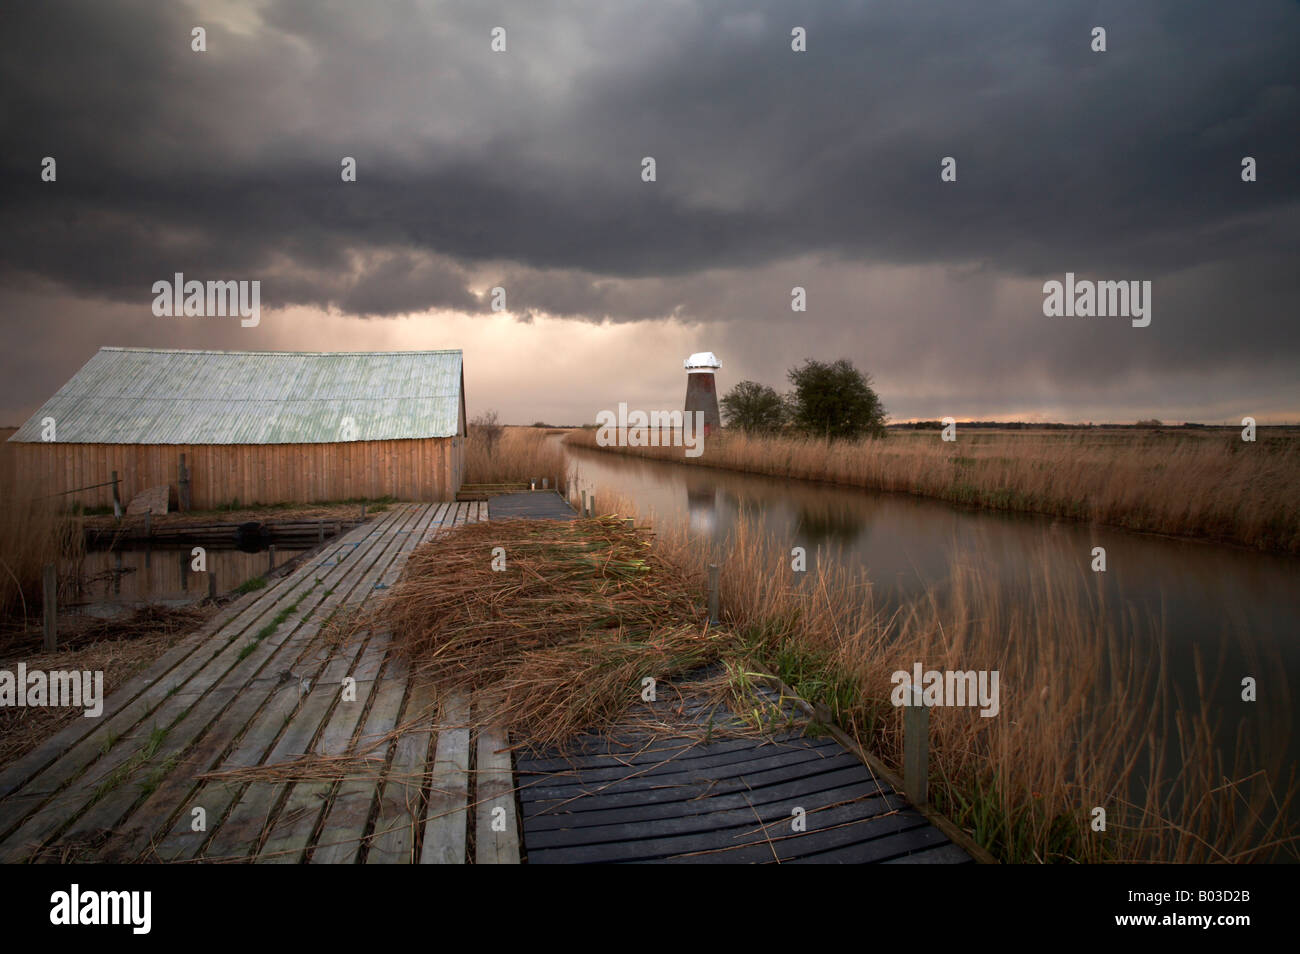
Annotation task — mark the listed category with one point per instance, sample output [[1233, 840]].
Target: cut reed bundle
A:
[[559, 637]]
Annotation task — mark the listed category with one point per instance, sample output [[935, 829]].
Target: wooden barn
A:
[[252, 427]]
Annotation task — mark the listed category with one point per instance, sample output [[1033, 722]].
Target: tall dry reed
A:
[[34, 531], [1086, 720], [520, 453], [1209, 485]]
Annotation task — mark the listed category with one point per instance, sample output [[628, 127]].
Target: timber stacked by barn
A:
[[253, 427]]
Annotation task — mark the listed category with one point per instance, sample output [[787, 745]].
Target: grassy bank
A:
[[1208, 485], [563, 636]]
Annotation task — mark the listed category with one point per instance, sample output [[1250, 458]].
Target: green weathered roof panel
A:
[[147, 396]]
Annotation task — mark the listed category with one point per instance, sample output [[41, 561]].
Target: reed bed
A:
[[518, 454], [559, 640], [33, 532], [1209, 485], [1085, 721]]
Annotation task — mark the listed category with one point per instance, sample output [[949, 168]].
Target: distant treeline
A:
[[1049, 426]]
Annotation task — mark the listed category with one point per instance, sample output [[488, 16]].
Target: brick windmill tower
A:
[[701, 391]]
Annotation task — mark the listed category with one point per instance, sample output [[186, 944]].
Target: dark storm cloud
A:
[[775, 168]]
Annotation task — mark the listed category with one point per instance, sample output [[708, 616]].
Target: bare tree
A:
[[487, 427]]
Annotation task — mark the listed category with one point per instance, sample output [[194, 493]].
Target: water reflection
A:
[[112, 581]]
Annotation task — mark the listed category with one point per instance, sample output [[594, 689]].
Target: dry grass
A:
[[119, 647], [520, 454], [1085, 717], [560, 640], [1209, 485]]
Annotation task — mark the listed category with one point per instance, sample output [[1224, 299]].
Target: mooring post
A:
[[51, 584], [320, 531], [591, 505], [916, 747], [117, 500], [184, 485], [714, 571], [583, 511], [363, 513], [270, 558]]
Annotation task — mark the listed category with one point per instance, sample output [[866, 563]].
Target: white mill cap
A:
[[702, 361]]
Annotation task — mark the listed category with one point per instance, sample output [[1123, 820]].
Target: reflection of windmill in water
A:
[[702, 507]]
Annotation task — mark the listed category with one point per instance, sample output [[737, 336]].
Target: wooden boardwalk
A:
[[682, 780], [373, 775], [264, 738]]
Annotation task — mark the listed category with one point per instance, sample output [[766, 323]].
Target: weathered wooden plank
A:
[[401, 800], [496, 834], [292, 830], [827, 829], [446, 819], [589, 771], [848, 805], [667, 775], [948, 854], [345, 824], [607, 750], [915, 837], [589, 811]]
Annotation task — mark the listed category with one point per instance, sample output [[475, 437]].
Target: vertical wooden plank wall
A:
[[422, 470]]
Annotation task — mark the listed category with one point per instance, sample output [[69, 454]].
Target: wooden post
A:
[[51, 585], [916, 747], [583, 511], [117, 500], [320, 531], [713, 594], [183, 484], [212, 583], [270, 558], [363, 513], [545, 483], [591, 505]]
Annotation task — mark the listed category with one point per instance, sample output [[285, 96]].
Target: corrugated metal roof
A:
[[148, 396]]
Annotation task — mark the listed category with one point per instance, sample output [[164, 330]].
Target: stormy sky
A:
[[774, 168]]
